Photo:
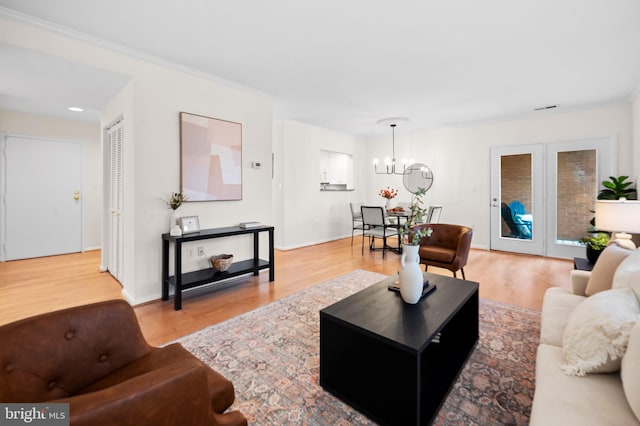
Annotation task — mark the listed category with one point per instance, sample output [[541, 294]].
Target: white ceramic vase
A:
[[173, 219], [389, 204], [411, 277]]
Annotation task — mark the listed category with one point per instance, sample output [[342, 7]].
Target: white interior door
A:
[[115, 212], [517, 210], [43, 197]]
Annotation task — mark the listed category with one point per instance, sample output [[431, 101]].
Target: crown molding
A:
[[99, 42]]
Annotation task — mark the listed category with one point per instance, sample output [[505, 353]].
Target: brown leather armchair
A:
[[95, 358], [447, 247]]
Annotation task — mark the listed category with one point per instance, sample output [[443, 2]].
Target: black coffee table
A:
[[396, 362]]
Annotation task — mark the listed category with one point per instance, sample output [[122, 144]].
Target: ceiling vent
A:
[[545, 107]]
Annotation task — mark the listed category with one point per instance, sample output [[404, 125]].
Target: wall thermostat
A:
[[256, 165]]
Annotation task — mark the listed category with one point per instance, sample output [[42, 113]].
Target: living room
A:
[[289, 201], [285, 191]]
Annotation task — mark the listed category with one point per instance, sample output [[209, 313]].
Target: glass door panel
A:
[[515, 196], [516, 186], [575, 170], [577, 189]]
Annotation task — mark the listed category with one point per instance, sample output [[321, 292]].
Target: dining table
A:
[[394, 221], [397, 215]]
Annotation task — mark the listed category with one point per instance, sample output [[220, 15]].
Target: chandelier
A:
[[391, 166]]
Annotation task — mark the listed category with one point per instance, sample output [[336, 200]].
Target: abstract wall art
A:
[[211, 158]]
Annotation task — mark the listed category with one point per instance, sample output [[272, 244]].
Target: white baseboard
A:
[[312, 243]]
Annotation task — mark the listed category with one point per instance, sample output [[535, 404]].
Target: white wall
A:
[[150, 105], [308, 215], [88, 135], [636, 139], [459, 157]]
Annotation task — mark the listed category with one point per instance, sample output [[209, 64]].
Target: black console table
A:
[[182, 281]]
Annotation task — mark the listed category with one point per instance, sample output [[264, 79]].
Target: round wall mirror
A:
[[417, 176]]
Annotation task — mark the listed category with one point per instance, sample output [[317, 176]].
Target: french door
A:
[[576, 170], [517, 208], [543, 195]]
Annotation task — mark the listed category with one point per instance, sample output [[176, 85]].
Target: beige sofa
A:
[[601, 310]]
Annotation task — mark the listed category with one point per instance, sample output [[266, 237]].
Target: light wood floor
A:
[[29, 287]]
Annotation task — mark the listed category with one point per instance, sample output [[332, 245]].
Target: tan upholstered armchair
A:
[[447, 247], [95, 358]]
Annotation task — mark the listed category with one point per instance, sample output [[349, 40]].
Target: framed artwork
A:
[[210, 158], [189, 224]]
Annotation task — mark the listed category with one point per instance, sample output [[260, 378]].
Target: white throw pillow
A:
[[630, 371], [598, 331], [628, 273]]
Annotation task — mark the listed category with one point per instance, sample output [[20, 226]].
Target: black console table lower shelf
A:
[[201, 277]]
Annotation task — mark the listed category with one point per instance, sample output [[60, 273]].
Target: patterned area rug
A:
[[271, 355]]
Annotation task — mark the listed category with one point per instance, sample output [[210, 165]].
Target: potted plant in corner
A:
[[595, 244], [410, 274], [616, 188]]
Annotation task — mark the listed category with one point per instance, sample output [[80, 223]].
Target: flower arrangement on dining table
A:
[[388, 193]]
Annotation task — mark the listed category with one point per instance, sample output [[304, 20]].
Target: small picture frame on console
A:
[[189, 224]]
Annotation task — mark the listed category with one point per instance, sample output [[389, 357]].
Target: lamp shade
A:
[[618, 216]]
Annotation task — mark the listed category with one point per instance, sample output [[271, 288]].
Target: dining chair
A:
[[356, 219], [376, 226], [433, 214]]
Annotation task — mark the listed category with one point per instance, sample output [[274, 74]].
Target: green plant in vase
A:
[[616, 188], [595, 244], [416, 216]]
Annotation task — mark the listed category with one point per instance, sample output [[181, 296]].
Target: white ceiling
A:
[[41, 84], [344, 65]]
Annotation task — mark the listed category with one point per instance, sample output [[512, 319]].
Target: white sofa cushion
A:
[[630, 371], [578, 280], [598, 331], [602, 274], [592, 400], [627, 274], [557, 305]]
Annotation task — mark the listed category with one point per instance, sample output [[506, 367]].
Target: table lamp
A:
[[621, 217]]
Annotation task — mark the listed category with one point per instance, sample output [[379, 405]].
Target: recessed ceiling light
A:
[[75, 109]]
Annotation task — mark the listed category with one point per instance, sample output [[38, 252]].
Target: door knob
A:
[[76, 197]]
